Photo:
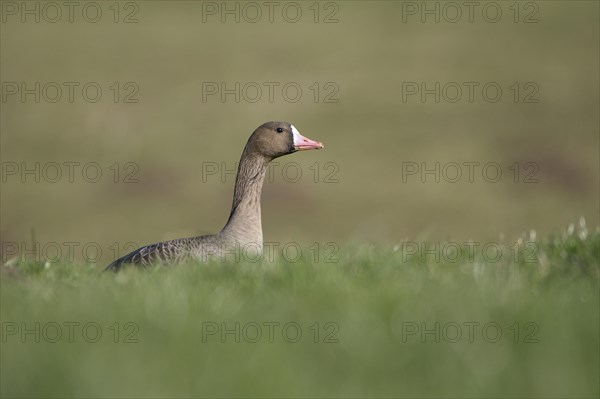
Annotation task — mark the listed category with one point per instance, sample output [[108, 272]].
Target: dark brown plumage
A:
[[243, 228]]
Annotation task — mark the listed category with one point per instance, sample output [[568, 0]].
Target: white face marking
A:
[[297, 136]]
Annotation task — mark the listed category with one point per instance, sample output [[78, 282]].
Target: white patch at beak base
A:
[[297, 136]]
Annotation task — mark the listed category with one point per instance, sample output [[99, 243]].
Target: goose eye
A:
[[279, 130]]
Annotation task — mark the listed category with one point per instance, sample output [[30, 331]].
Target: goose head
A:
[[275, 139]]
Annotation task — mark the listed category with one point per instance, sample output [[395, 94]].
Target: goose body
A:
[[243, 229]]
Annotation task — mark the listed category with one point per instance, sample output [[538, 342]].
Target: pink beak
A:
[[303, 143]]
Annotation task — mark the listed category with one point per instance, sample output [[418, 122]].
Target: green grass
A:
[[370, 297]]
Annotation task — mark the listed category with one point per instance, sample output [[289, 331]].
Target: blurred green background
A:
[[368, 133]]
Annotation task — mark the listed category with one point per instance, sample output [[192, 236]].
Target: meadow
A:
[[156, 162], [448, 231], [372, 321]]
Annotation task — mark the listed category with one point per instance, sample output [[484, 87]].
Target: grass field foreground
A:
[[378, 322]]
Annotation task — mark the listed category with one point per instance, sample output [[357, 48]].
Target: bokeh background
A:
[[171, 132]]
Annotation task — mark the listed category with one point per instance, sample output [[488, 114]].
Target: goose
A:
[[243, 228]]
